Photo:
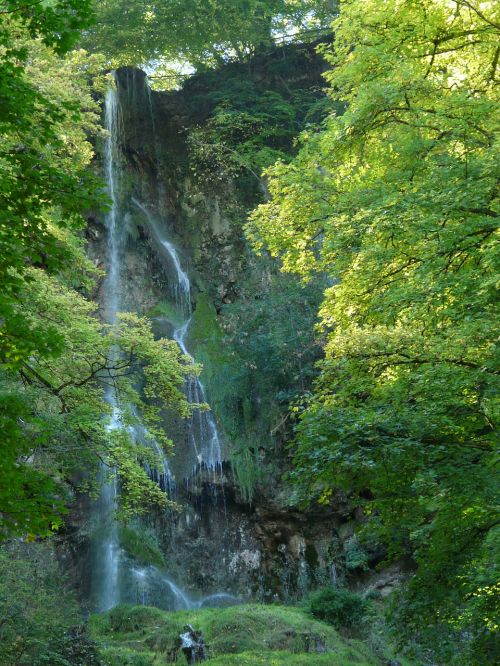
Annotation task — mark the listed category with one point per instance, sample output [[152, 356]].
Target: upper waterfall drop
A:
[[183, 284], [111, 284]]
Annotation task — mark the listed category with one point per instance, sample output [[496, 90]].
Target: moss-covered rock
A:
[[165, 309], [273, 658], [206, 342], [120, 656]]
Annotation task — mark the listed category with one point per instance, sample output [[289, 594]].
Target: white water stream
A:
[[108, 549], [108, 559], [150, 582], [203, 434]]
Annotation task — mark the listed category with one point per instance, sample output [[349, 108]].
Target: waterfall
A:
[[182, 289], [163, 475], [115, 575], [203, 434], [108, 548], [108, 558]]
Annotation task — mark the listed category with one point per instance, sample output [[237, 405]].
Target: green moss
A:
[[168, 311], [206, 343], [205, 330], [226, 394], [141, 545], [248, 634], [119, 656], [245, 468]]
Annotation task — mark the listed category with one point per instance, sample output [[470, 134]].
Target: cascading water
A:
[[151, 587], [116, 577], [162, 474], [107, 555], [182, 285], [203, 434], [109, 568]]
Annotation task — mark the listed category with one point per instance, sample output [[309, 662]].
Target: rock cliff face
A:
[[220, 541]]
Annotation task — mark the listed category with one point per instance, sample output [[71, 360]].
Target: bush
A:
[[355, 556], [39, 618], [341, 608], [126, 619]]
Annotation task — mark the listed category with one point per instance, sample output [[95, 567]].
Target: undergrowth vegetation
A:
[[339, 607], [40, 621], [248, 634]]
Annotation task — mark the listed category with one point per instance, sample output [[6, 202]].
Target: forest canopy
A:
[[202, 32]]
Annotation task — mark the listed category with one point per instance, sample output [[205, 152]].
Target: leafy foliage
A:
[[198, 31], [40, 619], [270, 328], [57, 22], [62, 396], [248, 131], [44, 122], [396, 200], [339, 607], [45, 183]]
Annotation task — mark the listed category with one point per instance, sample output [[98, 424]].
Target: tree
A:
[[397, 200], [200, 31], [41, 200], [45, 184], [57, 23], [55, 422], [55, 355]]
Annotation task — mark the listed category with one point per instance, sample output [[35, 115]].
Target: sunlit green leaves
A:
[[58, 418], [396, 199], [201, 32]]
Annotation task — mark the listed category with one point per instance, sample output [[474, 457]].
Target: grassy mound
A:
[[250, 635]]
